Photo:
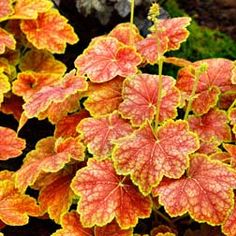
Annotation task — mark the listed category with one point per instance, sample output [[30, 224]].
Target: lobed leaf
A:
[[10, 145], [215, 80], [50, 155], [232, 118], [104, 196], [6, 40], [15, 208], [29, 9], [107, 58], [104, 98], [49, 31], [56, 197], [206, 193], [148, 156], [231, 150], [99, 133], [140, 98], [42, 62], [40, 101], [4, 85], [72, 226], [212, 125]]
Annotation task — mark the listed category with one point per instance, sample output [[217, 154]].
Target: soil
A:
[[215, 14]]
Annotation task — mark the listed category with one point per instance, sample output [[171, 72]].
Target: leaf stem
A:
[[196, 81], [168, 220], [132, 12], [160, 67]]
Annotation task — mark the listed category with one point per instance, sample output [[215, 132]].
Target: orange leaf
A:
[[211, 125], [231, 150], [106, 58], [56, 197], [10, 145], [104, 196], [6, 40], [6, 9], [232, 117], [29, 9], [209, 147], [148, 156], [140, 98], [28, 83], [206, 193], [50, 155], [49, 31], [72, 226], [126, 33], [66, 127], [215, 80], [99, 133], [15, 207], [104, 98], [41, 61], [40, 101]]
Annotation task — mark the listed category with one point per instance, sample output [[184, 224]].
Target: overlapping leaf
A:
[[49, 31], [56, 197], [215, 80], [29, 9], [106, 58], [212, 125], [28, 83], [206, 193], [140, 98], [6, 9], [209, 147], [66, 127], [40, 101], [232, 117], [104, 98], [72, 226], [41, 61], [104, 196], [50, 155], [15, 208], [148, 156], [10, 145], [4, 85], [231, 150], [99, 133], [6, 40], [226, 99], [168, 35], [126, 33], [57, 110]]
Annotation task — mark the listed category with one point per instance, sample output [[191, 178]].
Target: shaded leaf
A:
[[212, 125], [99, 133], [15, 208], [106, 58], [41, 61], [209, 147], [206, 193], [10, 145], [215, 80], [104, 98], [231, 150], [104, 196], [50, 155], [49, 31], [232, 117], [56, 197], [148, 156], [40, 101], [140, 98], [6, 40], [72, 226], [66, 127]]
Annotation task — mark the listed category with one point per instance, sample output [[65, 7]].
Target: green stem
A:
[[132, 12], [165, 218], [160, 67], [232, 105], [189, 106]]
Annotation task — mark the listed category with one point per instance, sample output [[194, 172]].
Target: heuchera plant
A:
[[125, 142]]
